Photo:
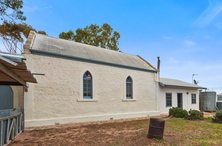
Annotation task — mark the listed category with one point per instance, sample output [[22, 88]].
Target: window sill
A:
[[129, 100], [87, 100]]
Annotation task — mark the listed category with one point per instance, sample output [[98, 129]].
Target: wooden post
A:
[[23, 121], [1, 129], [13, 129], [7, 135], [10, 130], [16, 128], [20, 123]]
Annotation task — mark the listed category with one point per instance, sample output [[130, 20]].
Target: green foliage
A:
[[195, 115], [178, 112], [217, 117], [42, 32], [95, 35], [208, 118], [10, 10], [25, 29], [11, 34], [67, 35], [10, 31]]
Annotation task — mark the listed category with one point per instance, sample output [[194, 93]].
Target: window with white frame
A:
[[219, 97], [193, 99], [87, 85], [168, 99], [129, 88]]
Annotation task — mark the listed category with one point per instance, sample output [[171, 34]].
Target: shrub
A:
[[217, 117], [195, 115], [178, 112]]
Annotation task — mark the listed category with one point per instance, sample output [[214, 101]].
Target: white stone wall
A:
[[57, 97], [17, 96], [187, 105]]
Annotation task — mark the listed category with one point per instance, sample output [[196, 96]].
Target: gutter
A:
[[8, 61], [177, 86], [44, 53]]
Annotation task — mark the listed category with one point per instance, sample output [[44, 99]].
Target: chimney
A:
[[158, 64]]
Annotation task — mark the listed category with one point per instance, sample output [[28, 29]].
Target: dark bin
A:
[[156, 128]]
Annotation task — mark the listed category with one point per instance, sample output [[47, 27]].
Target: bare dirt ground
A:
[[123, 132]]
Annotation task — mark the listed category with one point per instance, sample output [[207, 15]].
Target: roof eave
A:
[[177, 86]]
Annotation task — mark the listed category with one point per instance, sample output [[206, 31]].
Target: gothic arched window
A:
[[87, 85]]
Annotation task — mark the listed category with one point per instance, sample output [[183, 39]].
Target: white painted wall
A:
[[57, 97], [186, 98], [17, 96]]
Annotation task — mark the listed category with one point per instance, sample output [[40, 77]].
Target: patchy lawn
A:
[[177, 132]]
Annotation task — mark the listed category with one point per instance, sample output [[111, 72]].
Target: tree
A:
[[103, 36], [67, 35], [13, 33], [10, 10], [42, 32]]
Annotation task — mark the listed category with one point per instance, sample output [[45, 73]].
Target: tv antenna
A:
[[192, 78]]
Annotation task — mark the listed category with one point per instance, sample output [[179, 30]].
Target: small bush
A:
[[208, 118], [195, 115], [217, 117], [178, 112]]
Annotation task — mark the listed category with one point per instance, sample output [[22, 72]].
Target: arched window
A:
[[87, 85], [129, 88]]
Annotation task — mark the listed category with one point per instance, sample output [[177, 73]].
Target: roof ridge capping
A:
[[147, 62], [29, 42]]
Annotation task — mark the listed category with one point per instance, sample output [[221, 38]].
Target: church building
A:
[[79, 83], [72, 82]]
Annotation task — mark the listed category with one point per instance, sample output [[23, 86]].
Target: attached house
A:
[[219, 101], [80, 83], [176, 93]]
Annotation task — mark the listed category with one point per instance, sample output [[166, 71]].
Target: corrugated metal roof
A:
[[15, 63], [177, 83], [64, 47]]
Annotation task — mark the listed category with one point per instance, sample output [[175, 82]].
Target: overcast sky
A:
[[187, 35]]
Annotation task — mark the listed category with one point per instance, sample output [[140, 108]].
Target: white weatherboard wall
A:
[[187, 105], [57, 97]]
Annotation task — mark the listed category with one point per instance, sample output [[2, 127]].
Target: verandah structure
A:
[[13, 81]]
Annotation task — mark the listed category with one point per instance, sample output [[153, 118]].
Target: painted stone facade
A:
[[58, 95]]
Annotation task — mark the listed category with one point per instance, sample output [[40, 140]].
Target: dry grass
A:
[[177, 132]]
